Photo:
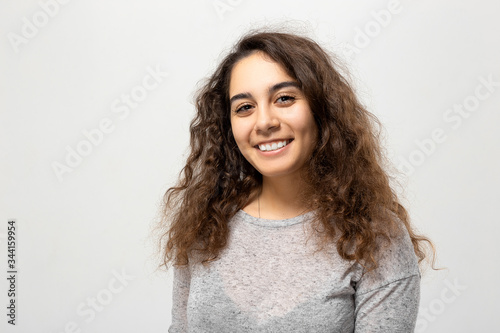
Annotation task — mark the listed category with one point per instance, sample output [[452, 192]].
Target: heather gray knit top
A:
[[269, 278]]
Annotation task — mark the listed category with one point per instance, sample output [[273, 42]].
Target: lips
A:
[[273, 145]]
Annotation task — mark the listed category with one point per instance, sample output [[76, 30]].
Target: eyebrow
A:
[[271, 90]]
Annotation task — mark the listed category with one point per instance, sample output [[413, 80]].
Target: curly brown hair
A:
[[347, 186]]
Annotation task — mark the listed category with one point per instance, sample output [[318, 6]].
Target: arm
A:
[[387, 298], [180, 296], [391, 308]]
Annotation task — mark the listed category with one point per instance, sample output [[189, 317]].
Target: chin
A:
[[278, 173]]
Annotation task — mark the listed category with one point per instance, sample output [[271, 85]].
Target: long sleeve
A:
[[387, 299], [180, 297], [391, 308]]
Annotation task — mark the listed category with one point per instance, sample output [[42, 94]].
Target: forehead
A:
[[256, 72]]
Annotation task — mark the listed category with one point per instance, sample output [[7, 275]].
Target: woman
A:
[[284, 219]]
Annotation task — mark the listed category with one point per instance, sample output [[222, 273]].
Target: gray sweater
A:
[[270, 278]]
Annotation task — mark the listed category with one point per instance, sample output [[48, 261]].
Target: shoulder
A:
[[396, 260]]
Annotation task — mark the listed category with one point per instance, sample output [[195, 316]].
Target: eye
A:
[[243, 108], [283, 99]]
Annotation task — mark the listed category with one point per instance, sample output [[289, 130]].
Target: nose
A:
[[266, 120]]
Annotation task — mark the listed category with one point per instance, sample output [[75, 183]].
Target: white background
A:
[[78, 231]]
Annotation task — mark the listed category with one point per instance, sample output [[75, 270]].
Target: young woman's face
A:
[[270, 118]]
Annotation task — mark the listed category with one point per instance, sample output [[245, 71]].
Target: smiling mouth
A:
[[273, 146]]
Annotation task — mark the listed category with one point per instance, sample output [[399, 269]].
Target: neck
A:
[[280, 198]]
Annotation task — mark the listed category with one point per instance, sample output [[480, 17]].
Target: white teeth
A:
[[273, 146]]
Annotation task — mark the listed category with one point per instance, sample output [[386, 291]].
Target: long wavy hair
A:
[[347, 186]]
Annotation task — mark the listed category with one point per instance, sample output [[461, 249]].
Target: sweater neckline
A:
[[269, 223]]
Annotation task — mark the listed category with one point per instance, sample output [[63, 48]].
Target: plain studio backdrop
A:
[[95, 105]]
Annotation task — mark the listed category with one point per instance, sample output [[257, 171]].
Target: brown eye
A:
[[285, 98], [243, 108]]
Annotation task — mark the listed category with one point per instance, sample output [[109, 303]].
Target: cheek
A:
[[310, 131], [305, 123], [238, 132], [314, 130]]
